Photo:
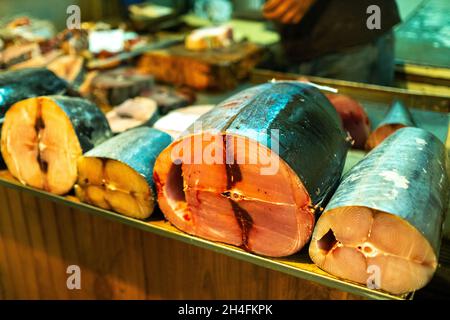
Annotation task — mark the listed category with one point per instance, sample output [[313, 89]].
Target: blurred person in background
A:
[[331, 38]]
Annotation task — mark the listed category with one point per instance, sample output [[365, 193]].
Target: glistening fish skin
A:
[[117, 175], [88, 120], [27, 83], [138, 148], [404, 176]]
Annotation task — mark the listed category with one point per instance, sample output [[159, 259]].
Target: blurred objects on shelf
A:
[[248, 9], [218, 69], [107, 61], [69, 67], [148, 11], [218, 11], [254, 31], [151, 17], [95, 26], [179, 120], [72, 41], [113, 41], [169, 98], [22, 28], [38, 61], [111, 88], [210, 38], [19, 53], [106, 40], [133, 113]]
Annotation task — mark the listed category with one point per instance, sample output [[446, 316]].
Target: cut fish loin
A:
[[227, 183], [350, 242], [382, 227], [133, 113], [118, 174], [18, 53], [43, 137], [113, 87], [170, 98], [69, 68], [209, 38], [38, 61], [235, 204]]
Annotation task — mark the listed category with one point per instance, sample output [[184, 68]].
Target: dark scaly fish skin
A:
[[88, 120], [312, 140], [23, 84], [27, 83], [138, 148], [116, 86]]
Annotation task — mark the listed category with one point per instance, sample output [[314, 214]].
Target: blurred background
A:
[[422, 45]]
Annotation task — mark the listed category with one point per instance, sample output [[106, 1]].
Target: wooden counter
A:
[[39, 239]]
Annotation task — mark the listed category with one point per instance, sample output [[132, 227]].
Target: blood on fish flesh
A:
[[43, 137], [225, 181]]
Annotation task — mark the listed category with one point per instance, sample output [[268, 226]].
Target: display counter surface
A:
[[431, 115], [298, 265]]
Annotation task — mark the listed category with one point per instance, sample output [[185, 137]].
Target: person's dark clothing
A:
[[331, 26], [370, 63]]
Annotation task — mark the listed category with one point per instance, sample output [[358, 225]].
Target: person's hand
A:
[[286, 11]]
